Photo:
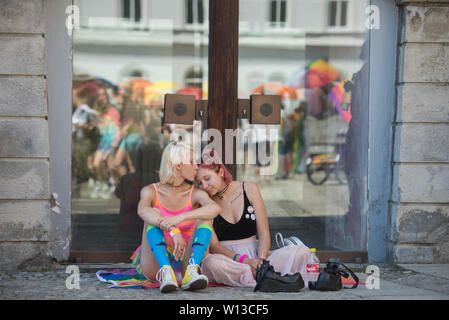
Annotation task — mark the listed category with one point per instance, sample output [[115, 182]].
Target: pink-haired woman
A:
[[241, 237]]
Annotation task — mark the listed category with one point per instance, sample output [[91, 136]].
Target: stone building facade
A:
[[420, 188], [31, 233], [25, 223]]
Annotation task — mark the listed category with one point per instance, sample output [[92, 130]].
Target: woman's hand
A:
[[166, 223], [179, 246], [253, 263]]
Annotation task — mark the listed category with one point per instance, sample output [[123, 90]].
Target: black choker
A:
[[222, 192]]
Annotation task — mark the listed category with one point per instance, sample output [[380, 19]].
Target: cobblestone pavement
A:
[[395, 283]]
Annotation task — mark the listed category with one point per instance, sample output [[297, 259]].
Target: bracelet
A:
[[174, 232], [235, 257], [242, 258]]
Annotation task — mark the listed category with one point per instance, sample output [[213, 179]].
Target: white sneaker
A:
[[192, 280], [167, 277], [105, 193]]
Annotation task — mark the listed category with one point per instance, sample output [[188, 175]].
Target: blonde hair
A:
[[176, 152]]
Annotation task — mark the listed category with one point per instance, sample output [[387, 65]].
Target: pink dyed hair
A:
[[213, 162]]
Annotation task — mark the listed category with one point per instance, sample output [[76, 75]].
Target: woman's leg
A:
[[119, 157], [199, 243], [221, 269], [154, 251], [195, 251], [129, 161], [148, 262], [98, 158]]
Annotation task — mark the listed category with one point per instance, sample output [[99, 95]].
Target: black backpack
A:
[[330, 278]]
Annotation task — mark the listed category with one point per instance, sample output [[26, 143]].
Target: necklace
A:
[[222, 192]]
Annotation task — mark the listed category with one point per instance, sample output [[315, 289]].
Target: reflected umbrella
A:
[[107, 83], [276, 88], [197, 92], [156, 90], [318, 73]]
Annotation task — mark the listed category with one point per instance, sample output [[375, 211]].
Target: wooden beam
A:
[[223, 68]]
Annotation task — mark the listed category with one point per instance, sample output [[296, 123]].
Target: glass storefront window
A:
[[126, 56]]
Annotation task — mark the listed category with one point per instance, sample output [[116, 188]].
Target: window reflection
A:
[[127, 56], [123, 65]]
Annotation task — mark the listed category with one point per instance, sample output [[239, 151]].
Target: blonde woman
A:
[[175, 213]]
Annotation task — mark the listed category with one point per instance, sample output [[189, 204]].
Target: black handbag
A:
[[270, 281], [330, 278]]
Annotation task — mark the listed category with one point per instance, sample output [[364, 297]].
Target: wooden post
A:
[[223, 69]]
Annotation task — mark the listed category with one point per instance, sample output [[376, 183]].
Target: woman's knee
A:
[[211, 262]]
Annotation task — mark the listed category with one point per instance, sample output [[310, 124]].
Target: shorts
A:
[[131, 141], [286, 146], [106, 142]]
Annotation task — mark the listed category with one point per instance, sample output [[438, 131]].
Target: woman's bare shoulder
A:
[[148, 191], [198, 193], [251, 187]]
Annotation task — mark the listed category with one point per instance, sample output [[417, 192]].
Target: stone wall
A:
[[420, 190], [24, 145]]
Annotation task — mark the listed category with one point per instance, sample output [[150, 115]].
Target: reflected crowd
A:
[[118, 132]]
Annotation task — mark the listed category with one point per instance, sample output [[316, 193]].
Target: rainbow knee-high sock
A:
[[158, 246], [200, 243]]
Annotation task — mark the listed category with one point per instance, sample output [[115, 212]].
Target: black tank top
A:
[[246, 227]]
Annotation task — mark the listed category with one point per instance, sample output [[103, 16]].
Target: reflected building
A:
[[120, 39]]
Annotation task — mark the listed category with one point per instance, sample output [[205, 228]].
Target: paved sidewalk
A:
[[404, 282]]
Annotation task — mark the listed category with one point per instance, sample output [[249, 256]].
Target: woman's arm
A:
[[148, 214], [263, 231], [208, 210], [217, 248]]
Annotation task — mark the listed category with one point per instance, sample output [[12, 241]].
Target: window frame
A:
[[338, 27], [131, 8], [195, 24], [278, 23]]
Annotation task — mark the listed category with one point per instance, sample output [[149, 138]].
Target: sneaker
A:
[[166, 276], [105, 192], [96, 190], [192, 279]]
